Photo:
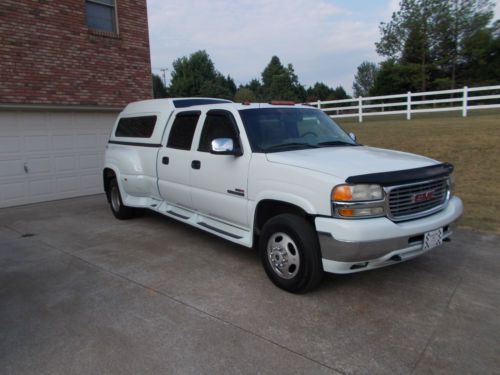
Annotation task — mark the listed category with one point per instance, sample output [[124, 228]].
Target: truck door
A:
[[174, 160], [219, 182]]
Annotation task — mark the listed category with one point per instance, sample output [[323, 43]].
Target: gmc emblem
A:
[[423, 197]]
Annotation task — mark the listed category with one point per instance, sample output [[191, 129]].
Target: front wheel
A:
[[120, 211], [290, 253]]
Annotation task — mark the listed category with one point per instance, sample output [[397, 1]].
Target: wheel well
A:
[[266, 209], [107, 175]]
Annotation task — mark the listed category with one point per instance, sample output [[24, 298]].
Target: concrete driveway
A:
[[81, 292]]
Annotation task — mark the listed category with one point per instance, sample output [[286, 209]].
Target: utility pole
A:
[[164, 70]]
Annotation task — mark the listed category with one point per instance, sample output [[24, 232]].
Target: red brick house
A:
[[67, 68]]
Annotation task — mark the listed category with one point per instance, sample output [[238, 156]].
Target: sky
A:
[[324, 40]]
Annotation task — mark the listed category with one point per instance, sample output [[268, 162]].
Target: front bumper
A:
[[358, 245]]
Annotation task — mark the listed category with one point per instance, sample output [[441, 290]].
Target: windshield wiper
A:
[[289, 145], [336, 143]]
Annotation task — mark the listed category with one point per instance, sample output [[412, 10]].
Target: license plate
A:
[[433, 238]]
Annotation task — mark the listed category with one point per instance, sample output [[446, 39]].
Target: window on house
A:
[[181, 135], [136, 127], [101, 14]]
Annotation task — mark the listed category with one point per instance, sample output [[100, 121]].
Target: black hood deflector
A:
[[404, 176]]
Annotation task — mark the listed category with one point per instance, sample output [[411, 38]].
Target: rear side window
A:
[[136, 127], [181, 134]]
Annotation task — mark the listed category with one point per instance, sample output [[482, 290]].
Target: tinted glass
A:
[[183, 103], [282, 129], [216, 126], [181, 135], [100, 16], [136, 127]]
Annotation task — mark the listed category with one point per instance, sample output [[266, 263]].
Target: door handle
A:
[[165, 160], [196, 164]]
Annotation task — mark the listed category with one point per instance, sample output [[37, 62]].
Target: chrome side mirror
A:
[[222, 146], [353, 136]]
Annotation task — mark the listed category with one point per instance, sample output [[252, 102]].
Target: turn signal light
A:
[[342, 193]]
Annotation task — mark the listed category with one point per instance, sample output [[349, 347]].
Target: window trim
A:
[[183, 114], [136, 116], [232, 119], [116, 25]]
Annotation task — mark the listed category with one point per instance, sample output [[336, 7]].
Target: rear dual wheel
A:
[[120, 211], [290, 253]]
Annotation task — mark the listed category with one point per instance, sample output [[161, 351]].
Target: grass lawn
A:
[[471, 144]]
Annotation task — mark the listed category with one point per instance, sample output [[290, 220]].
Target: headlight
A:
[[356, 193], [358, 201]]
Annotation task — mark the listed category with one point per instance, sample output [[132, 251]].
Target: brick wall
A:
[[48, 55]]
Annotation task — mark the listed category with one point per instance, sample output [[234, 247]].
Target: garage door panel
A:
[[13, 191], [63, 142], [36, 143], [87, 141], [90, 161], [40, 188], [64, 163], [10, 144], [91, 182], [38, 165], [11, 168], [67, 184]]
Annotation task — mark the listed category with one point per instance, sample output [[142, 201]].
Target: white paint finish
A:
[[62, 151], [347, 161]]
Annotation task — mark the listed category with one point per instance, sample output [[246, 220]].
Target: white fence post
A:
[[360, 109], [408, 105], [462, 99], [464, 102]]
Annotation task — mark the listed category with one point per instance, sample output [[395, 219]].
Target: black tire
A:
[[299, 236], [120, 211]]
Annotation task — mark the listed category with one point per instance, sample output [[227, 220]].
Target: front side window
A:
[[182, 132], [136, 127], [101, 14], [217, 125], [286, 129]]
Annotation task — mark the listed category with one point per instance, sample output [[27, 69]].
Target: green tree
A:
[[244, 94], [364, 80], [281, 83], [159, 89], [196, 76], [441, 43]]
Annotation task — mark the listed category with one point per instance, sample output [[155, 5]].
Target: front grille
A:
[[416, 200]]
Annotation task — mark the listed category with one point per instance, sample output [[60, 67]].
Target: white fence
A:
[[464, 100]]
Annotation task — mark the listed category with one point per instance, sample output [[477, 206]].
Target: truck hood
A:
[[343, 162]]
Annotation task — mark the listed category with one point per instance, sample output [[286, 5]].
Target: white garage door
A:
[[51, 155]]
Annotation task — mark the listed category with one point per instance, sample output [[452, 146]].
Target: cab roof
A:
[[161, 105]]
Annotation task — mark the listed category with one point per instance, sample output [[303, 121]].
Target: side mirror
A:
[[223, 146], [353, 136]]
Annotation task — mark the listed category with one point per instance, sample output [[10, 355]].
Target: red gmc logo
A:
[[423, 197]]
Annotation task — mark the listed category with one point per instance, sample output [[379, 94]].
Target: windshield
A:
[[285, 129]]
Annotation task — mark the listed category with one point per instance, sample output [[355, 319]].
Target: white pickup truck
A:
[[282, 177]]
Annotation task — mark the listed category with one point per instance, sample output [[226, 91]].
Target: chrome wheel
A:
[[115, 199], [283, 255]]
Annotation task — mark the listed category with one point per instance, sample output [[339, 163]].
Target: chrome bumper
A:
[[344, 251], [358, 245]]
